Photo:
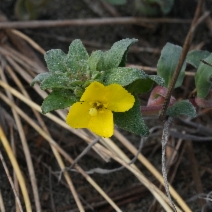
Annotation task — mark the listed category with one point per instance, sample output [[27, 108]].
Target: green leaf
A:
[[116, 56], [157, 79], [167, 64], [40, 78], [55, 60], [144, 85], [145, 8], [165, 5], [132, 120], [154, 7], [140, 86], [77, 51], [182, 108], [203, 78], [77, 58], [123, 75], [194, 57], [55, 81], [116, 2], [94, 60], [58, 99]]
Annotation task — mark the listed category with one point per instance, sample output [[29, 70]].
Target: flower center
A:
[[96, 108]]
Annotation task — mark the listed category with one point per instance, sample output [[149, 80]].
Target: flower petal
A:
[[95, 92], [102, 124], [119, 99], [78, 116]]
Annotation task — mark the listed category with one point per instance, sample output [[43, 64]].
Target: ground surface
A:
[[152, 38]]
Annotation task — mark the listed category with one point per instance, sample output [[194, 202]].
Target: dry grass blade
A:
[[43, 94], [12, 185], [116, 153], [29, 40], [67, 177], [107, 142], [152, 169], [12, 141], [52, 142], [55, 152], [27, 63], [153, 189], [17, 170], [26, 149], [2, 207]]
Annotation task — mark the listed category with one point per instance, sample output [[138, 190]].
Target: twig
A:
[[88, 22], [189, 137], [199, 127], [109, 171], [164, 142], [154, 190], [151, 168], [55, 152], [184, 52], [62, 123], [54, 118], [84, 152], [60, 150], [152, 69], [137, 173]]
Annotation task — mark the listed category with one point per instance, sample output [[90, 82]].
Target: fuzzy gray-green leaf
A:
[[59, 81], [132, 120], [77, 51], [40, 78], [140, 86], [157, 79], [58, 99], [123, 75], [94, 60], [55, 61], [116, 56], [77, 59], [182, 108]]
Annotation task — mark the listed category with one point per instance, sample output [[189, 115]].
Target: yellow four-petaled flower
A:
[[94, 111]]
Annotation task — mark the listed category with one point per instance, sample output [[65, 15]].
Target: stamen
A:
[[93, 111]]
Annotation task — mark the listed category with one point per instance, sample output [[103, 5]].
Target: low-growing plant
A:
[[102, 90]]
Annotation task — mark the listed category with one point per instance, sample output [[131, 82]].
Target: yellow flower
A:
[[94, 111]]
